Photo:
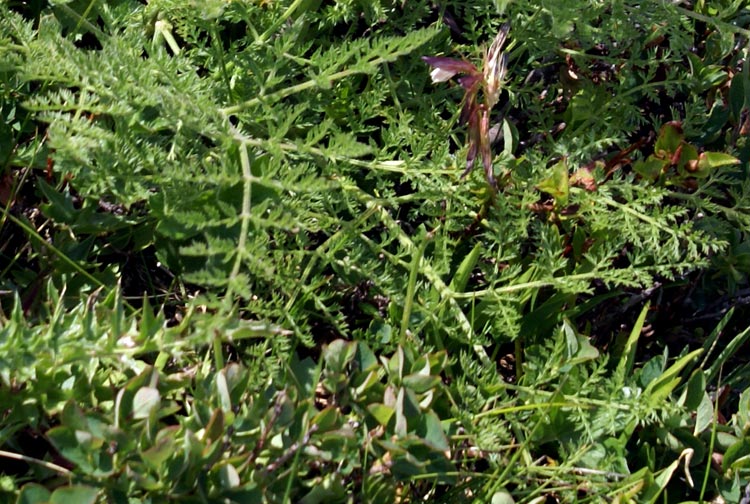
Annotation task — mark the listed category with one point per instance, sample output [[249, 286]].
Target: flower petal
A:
[[440, 75], [445, 68], [469, 81]]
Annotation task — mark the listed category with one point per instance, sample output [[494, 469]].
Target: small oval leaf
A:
[[145, 401]]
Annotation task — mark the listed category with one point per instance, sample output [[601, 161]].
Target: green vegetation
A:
[[239, 261]]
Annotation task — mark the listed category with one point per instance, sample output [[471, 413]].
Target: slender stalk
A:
[[32, 460], [714, 21], [327, 79], [711, 444], [282, 19], [411, 287], [32, 233]]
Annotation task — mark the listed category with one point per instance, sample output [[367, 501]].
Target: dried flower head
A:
[[475, 114], [495, 65]]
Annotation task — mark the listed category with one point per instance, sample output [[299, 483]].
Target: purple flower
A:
[[443, 69], [476, 115]]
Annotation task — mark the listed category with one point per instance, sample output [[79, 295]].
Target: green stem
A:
[[82, 21], [245, 216], [327, 79], [32, 233], [411, 287], [280, 21], [518, 351], [216, 42], [712, 20], [712, 441]]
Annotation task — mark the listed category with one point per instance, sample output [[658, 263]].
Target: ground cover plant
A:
[[306, 251]]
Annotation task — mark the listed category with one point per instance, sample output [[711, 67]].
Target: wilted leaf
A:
[[583, 178], [708, 161], [669, 140], [557, 184], [651, 168]]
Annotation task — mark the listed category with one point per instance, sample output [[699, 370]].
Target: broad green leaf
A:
[[708, 161], [327, 419], [78, 494], [162, 449], [305, 373], [695, 390], [725, 440], [33, 493], [627, 355], [74, 445], [370, 380], [557, 184], [737, 96], [660, 388], [669, 140], [338, 354], [228, 476], [364, 357], [330, 489], [651, 168], [401, 427], [222, 390], [510, 137], [502, 497], [146, 400], [61, 207], [431, 430], [237, 379], [704, 415], [73, 416], [381, 412], [124, 402], [734, 453], [461, 277], [688, 155], [743, 411], [395, 365], [578, 348], [420, 383], [214, 430]]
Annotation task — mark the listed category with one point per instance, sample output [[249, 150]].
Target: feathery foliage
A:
[[280, 177]]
